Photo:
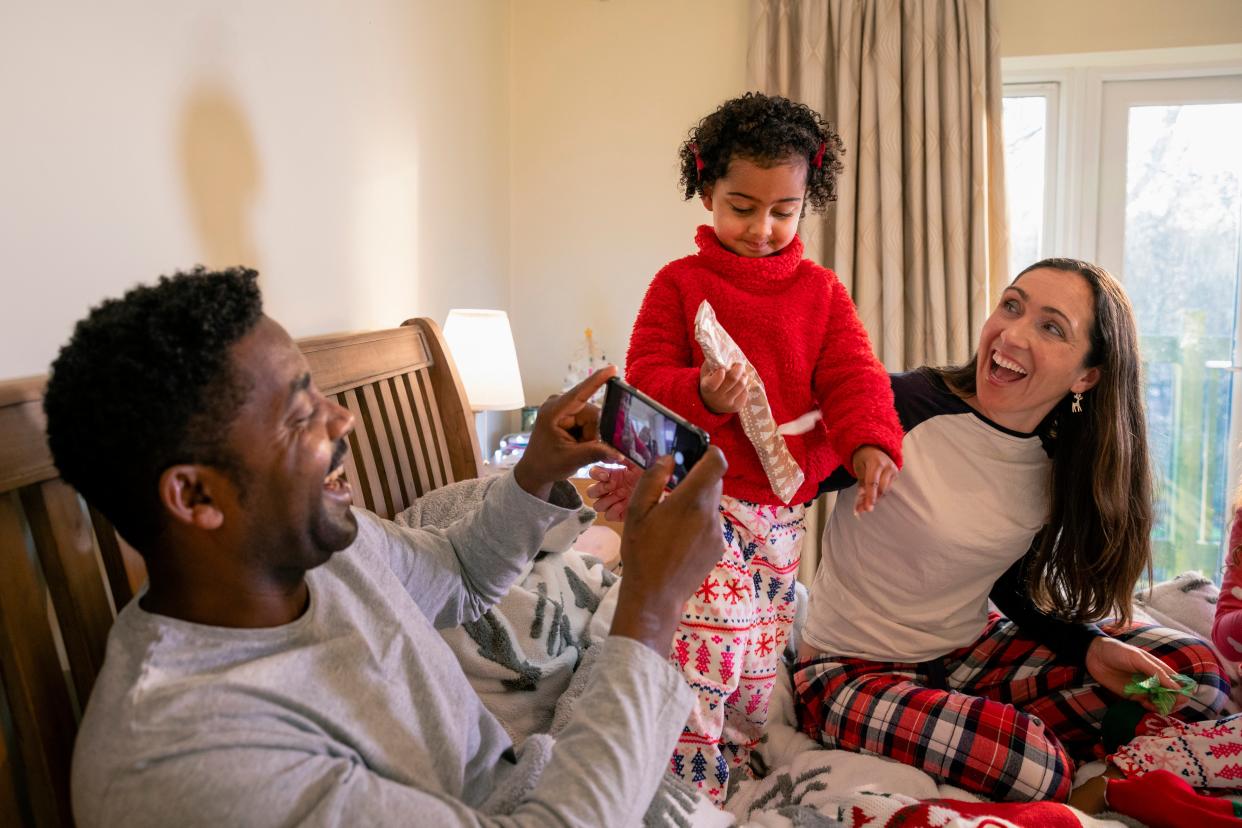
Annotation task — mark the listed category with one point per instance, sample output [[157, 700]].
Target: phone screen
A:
[[643, 430]]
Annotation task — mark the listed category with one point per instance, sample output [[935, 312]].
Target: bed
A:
[[67, 572]]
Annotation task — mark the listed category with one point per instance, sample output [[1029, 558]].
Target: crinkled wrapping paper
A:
[[720, 351]]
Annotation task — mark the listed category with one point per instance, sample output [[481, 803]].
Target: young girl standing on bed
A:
[[755, 163]]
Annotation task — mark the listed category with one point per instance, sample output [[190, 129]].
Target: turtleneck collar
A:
[[748, 273]]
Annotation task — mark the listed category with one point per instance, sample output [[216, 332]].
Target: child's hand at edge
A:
[[875, 471], [613, 488], [723, 392], [1227, 631]]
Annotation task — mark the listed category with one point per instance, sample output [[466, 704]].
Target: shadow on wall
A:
[[221, 174]]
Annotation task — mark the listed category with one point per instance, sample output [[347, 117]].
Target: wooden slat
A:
[[345, 361], [437, 427], [43, 720], [426, 417], [368, 484], [24, 455], [410, 433], [119, 581], [396, 436], [62, 536], [14, 808], [457, 419], [351, 468], [381, 448]]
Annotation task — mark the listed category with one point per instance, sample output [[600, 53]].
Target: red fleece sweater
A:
[[797, 326]]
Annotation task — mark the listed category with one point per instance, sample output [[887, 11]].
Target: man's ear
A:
[[706, 198], [189, 494]]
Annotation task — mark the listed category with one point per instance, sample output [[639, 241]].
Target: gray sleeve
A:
[[604, 769], [456, 572], [442, 506]]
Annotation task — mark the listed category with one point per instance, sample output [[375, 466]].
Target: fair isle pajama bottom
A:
[[731, 636]]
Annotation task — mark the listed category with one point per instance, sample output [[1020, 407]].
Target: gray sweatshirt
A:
[[357, 713]]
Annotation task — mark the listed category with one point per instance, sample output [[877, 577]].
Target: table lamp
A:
[[481, 342]]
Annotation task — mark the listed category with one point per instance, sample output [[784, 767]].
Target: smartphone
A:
[[643, 430]]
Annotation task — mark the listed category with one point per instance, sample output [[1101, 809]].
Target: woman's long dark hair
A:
[[1097, 542]]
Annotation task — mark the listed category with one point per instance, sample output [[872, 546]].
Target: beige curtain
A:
[[918, 232]]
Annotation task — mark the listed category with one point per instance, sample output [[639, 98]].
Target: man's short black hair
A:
[[147, 382]]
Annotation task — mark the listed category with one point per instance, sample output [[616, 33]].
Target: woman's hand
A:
[[613, 488], [875, 471], [723, 392], [1113, 664]]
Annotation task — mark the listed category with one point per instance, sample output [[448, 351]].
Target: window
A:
[[1030, 170], [1141, 173]]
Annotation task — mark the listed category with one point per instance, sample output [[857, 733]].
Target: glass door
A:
[[1170, 226]]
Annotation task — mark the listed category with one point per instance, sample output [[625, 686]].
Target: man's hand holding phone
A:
[[668, 547], [565, 438]]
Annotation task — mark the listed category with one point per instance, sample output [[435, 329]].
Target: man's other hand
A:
[[668, 546], [565, 438]]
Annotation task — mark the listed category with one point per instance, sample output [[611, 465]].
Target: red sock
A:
[[1164, 800], [934, 812]]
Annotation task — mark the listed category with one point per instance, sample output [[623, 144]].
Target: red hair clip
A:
[[698, 162], [819, 155]]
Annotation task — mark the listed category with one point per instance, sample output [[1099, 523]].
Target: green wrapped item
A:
[[1162, 698]]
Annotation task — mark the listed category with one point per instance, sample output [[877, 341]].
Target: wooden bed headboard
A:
[[64, 571]]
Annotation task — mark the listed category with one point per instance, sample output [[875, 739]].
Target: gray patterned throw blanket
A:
[[521, 655]]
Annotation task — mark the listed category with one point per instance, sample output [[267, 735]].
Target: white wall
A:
[[389, 157], [1052, 27], [602, 94], [356, 153]]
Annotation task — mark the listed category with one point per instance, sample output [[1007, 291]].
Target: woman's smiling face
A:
[[1033, 348]]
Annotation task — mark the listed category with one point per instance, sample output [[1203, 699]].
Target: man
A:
[[282, 666]]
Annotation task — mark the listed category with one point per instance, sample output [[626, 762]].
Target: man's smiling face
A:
[[291, 442]]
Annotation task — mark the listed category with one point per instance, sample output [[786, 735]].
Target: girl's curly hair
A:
[[768, 130]]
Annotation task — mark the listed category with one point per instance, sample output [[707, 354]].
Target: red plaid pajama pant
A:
[[1010, 719], [732, 634]]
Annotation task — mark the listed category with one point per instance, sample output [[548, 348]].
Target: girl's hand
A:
[[723, 392], [613, 488], [875, 471], [1113, 663]]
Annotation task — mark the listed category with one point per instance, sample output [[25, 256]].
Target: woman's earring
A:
[[1076, 406]]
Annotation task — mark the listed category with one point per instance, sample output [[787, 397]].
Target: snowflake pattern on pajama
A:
[[731, 636]]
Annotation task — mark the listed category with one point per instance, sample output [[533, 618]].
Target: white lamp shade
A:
[[481, 342]]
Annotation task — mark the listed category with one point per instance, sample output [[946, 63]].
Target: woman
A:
[[1026, 480]]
